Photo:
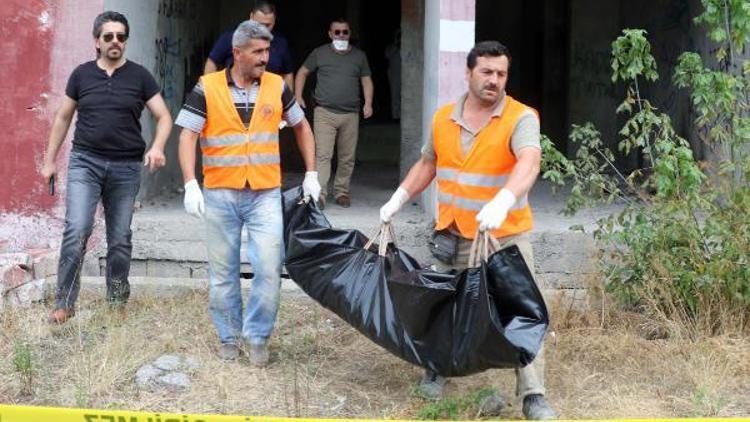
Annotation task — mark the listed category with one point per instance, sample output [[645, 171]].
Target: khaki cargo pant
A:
[[340, 130], [529, 379]]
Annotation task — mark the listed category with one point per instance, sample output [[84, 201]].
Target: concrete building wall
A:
[[593, 96], [171, 38]]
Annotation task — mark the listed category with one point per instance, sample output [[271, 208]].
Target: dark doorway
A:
[[536, 32], [374, 25]]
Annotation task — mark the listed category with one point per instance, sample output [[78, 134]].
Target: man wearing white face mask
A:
[[341, 68]]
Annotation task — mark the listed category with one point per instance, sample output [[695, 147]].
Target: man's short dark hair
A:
[[486, 49], [340, 19], [109, 16], [265, 7]]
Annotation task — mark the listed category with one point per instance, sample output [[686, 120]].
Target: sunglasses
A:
[[109, 36], [341, 32]]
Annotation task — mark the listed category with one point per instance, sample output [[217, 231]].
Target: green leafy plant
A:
[[679, 248], [22, 364], [453, 408]]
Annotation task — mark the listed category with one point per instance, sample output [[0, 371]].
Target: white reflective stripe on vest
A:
[[261, 137], [230, 140], [270, 158], [240, 160], [475, 205], [446, 174], [223, 141], [471, 179], [225, 161]]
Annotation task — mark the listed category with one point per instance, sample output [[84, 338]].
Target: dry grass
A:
[[323, 368]]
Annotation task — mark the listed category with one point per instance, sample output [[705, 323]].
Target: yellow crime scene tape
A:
[[59, 414]]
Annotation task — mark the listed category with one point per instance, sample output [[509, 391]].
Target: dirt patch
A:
[[321, 367]]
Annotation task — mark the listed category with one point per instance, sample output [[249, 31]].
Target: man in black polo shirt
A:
[[105, 163]]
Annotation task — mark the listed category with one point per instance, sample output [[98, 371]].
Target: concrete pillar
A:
[[448, 37], [412, 71]]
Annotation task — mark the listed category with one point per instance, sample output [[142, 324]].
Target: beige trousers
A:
[[339, 130], [529, 379]]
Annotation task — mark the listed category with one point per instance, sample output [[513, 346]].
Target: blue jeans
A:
[[116, 184], [227, 210]]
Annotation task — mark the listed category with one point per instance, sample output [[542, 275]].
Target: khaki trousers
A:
[[529, 379], [340, 130]]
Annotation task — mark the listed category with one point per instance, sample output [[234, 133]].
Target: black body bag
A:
[[490, 316]]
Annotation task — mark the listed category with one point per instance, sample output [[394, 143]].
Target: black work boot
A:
[[491, 405], [431, 385], [535, 407]]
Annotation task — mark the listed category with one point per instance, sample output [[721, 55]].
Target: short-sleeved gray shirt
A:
[[337, 88], [525, 133]]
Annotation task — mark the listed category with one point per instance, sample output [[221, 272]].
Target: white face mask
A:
[[340, 45]]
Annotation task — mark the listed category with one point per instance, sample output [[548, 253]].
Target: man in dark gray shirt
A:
[[340, 68]]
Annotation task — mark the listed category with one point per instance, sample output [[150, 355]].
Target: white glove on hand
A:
[[398, 199], [311, 186], [493, 214], [194, 204]]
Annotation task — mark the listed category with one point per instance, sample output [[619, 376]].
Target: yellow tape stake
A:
[[59, 414]]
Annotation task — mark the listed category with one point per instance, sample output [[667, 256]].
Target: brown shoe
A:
[[344, 201], [61, 316]]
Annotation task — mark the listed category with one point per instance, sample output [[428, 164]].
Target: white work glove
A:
[[398, 199], [311, 186], [493, 214], [194, 199]]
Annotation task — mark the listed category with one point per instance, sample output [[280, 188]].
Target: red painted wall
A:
[[25, 42], [41, 41]]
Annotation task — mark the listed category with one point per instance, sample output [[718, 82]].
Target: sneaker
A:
[[344, 201], [535, 407], [492, 405], [60, 316], [431, 386], [259, 355], [229, 351]]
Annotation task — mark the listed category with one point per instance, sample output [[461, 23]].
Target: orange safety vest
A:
[[235, 156], [467, 183]]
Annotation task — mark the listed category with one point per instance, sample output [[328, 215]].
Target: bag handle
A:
[[385, 235], [482, 247]]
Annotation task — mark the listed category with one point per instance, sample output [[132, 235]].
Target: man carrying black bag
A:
[[485, 152]]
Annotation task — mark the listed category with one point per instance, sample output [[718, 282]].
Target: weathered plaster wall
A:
[[42, 42]]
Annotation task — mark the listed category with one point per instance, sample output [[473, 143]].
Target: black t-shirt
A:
[[109, 108]]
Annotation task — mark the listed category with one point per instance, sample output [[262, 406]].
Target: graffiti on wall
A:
[[590, 70], [180, 9], [179, 49], [168, 56]]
